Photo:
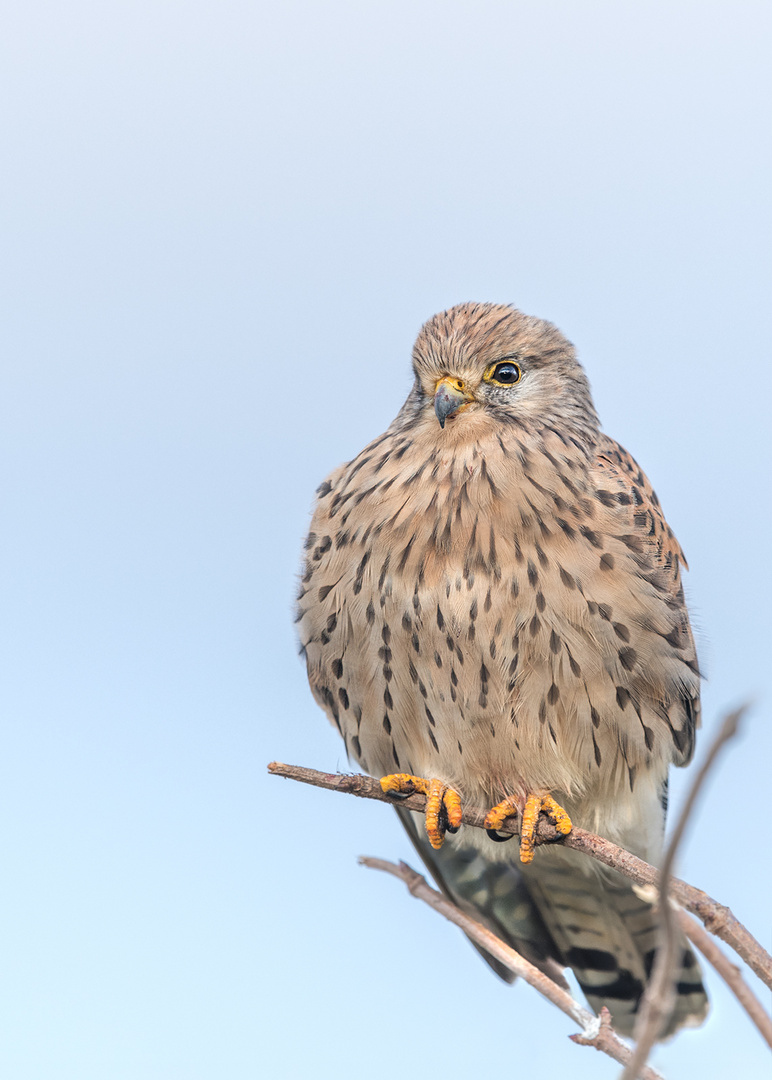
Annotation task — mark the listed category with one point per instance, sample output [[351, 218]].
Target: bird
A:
[[491, 612]]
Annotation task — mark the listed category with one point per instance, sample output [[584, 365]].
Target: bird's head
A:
[[484, 365]]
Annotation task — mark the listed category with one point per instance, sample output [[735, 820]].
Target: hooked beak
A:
[[450, 395]]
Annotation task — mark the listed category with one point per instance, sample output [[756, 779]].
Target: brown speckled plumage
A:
[[498, 603]]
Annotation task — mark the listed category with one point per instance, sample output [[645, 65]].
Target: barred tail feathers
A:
[[607, 934], [564, 911]]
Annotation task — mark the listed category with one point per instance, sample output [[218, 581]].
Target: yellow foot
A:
[[443, 803], [534, 805]]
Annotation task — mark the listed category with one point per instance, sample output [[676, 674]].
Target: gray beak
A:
[[450, 395]]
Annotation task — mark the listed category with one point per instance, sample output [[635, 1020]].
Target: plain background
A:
[[222, 227]]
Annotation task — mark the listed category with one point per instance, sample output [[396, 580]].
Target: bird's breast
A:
[[458, 623]]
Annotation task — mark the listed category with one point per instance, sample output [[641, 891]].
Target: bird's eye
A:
[[504, 373]]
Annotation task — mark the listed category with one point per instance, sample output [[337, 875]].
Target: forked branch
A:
[[718, 918], [596, 1031]]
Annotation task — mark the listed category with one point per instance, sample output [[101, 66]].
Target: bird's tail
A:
[[607, 934], [565, 911]]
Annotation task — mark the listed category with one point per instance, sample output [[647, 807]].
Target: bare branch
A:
[[597, 1031], [365, 787], [729, 972], [659, 996], [718, 919]]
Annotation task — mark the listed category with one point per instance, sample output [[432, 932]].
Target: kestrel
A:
[[492, 613]]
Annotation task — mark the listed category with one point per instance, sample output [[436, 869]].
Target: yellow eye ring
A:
[[503, 373]]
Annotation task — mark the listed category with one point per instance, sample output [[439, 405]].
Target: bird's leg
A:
[[534, 805], [443, 803]]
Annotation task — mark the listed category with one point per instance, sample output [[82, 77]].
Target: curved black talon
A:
[[444, 824], [500, 837]]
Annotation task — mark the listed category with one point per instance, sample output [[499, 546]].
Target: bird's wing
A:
[[639, 523]]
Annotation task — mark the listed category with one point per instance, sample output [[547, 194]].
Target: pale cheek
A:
[[534, 396], [528, 406]]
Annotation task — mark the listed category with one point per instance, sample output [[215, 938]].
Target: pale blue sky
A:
[[222, 226]]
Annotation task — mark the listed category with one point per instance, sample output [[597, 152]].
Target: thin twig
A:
[[659, 996], [718, 919], [597, 1031], [729, 972]]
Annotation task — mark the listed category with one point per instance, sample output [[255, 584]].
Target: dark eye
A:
[[507, 373]]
